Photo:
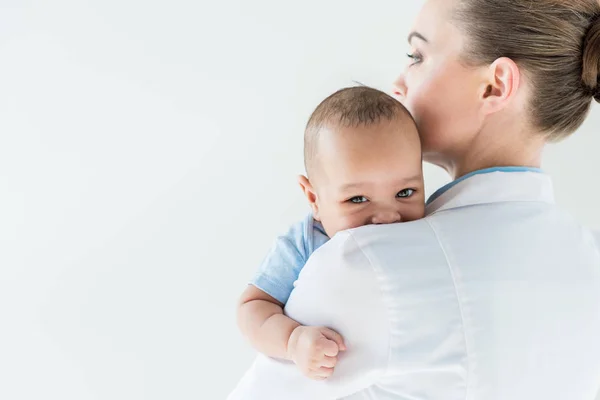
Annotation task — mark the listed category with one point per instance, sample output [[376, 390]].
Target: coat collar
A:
[[493, 185]]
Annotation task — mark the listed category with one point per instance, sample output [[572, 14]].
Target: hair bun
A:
[[591, 58]]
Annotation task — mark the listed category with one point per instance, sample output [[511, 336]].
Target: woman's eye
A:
[[405, 193], [358, 199], [415, 57]]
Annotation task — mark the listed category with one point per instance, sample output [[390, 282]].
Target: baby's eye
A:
[[405, 193], [358, 199]]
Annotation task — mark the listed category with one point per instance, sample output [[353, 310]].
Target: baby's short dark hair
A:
[[353, 106]]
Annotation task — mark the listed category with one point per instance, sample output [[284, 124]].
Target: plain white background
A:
[[148, 157]]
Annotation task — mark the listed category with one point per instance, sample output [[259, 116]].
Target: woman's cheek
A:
[[416, 93]]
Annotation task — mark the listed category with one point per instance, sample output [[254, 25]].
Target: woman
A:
[[490, 83], [496, 293]]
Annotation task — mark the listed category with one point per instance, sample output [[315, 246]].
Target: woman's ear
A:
[[310, 194], [502, 81]]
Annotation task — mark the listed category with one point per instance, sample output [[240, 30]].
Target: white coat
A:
[[495, 295]]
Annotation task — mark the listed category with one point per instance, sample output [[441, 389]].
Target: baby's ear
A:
[[310, 194]]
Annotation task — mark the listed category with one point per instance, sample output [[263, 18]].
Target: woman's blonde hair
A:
[[556, 43]]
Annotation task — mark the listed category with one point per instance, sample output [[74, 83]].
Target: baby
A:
[[362, 156]]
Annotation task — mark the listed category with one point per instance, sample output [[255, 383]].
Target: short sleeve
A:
[[286, 258]]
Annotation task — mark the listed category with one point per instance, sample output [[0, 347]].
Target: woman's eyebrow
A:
[[416, 35]]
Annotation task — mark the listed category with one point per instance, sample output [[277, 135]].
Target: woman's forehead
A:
[[433, 25], [434, 14]]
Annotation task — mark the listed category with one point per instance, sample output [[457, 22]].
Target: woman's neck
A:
[[517, 150]]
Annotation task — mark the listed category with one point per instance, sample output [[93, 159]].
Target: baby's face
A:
[[368, 175]]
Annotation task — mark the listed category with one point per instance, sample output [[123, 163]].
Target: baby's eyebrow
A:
[[349, 186], [359, 185], [412, 178]]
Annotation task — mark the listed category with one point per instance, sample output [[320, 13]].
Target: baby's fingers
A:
[[328, 362], [321, 373], [329, 347], [336, 337]]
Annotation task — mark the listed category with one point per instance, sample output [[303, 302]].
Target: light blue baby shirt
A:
[[288, 255]]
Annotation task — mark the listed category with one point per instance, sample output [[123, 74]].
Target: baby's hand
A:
[[315, 349]]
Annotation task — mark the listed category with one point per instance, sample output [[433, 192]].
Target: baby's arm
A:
[[313, 349], [260, 318]]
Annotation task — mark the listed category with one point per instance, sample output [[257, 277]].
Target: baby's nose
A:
[[387, 217]]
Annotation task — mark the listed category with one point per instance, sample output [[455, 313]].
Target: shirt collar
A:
[[493, 185]]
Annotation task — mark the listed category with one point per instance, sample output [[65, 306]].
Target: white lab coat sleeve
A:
[[337, 288]]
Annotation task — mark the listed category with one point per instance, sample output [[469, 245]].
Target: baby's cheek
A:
[[340, 221], [351, 221], [415, 212]]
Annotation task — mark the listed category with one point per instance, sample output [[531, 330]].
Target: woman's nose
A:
[[386, 217], [400, 87]]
